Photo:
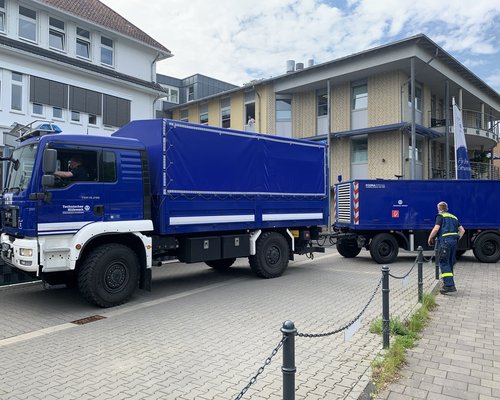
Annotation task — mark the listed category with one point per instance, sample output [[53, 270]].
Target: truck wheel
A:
[[348, 248], [109, 275], [272, 254], [221, 265], [487, 248], [384, 248]]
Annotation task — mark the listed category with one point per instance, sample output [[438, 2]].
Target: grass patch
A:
[[404, 335]]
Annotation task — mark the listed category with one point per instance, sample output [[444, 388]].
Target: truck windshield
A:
[[21, 168]]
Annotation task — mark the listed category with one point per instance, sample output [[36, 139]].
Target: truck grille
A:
[[344, 203], [10, 216]]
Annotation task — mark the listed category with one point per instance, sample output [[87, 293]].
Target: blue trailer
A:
[[386, 215], [157, 190]]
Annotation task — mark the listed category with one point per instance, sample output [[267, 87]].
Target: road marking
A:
[[57, 328]]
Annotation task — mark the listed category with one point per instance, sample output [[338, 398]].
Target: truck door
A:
[[76, 200]]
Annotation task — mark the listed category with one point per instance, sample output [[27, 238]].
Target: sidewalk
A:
[[458, 356]]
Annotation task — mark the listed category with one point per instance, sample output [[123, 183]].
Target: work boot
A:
[[448, 289]]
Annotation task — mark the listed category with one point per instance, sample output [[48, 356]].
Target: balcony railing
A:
[[474, 120], [479, 170]]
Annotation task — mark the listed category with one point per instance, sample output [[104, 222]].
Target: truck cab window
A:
[[75, 166], [108, 166]]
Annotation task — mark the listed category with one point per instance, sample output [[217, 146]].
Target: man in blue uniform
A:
[[448, 232]]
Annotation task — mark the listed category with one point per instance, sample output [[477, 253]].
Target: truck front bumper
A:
[[20, 253]]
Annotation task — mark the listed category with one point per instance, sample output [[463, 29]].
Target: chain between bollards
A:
[[385, 306], [288, 368], [420, 265]]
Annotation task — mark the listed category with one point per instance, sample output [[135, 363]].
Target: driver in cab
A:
[[76, 172]]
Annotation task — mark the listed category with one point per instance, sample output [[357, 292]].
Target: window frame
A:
[[27, 20], [18, 84], [225, 112], [363, 97], [107, 48], [34, 112], [57, 31], [83, 40], [3, 17]]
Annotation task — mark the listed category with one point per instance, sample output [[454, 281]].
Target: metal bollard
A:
[[385, 306], [288, 367], [420, 264]]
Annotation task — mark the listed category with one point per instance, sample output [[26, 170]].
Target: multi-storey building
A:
[[362, 104], [75, 63]]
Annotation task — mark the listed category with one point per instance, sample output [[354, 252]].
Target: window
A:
[[420, 147], [225, 112], [322, 102], [2, 15], [360, 97], [106, 51], [82, 43], [108, 167], [37, 108], [92, 119], [75, 116], [27, 24], [56, 34], [359, 150], [283, 109], [190, 93], [184, 115], [174, 96], [57, 112], [116, 111], [17, 92], [82, 163], [204, 113], [85, 101], [418, 97]]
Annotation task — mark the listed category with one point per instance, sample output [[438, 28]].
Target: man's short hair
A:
[[443, 206], [76, 157]]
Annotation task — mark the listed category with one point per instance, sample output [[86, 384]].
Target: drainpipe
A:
[[158, 55], [447, 135], [413, 128], [329, 148]]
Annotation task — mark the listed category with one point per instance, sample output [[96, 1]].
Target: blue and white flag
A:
[[462, 164]]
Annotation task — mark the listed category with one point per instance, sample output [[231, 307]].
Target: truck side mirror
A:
[[48, 181], [49, 161]]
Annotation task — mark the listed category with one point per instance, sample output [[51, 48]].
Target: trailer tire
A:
[[109, 275], [384, 248], [221, 265], [487, 248], [271, 255], [348, 248]]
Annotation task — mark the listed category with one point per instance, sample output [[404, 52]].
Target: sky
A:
[[238, 41]]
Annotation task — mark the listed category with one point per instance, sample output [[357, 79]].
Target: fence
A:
[[289, 330]]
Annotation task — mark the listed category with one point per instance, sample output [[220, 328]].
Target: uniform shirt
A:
[[450, 224], [80, 173]]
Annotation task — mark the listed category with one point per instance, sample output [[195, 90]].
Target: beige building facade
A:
[[362, 106]]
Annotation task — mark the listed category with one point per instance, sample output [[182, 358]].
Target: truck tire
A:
[[221, 265], [384, 248], [109, 275], [487, 248], [272, 255], [348, 248]]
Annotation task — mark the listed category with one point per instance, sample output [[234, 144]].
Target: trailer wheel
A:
[[109, 275], [348, 248], [221, 265], [487, 248], [384, 248], [272, 255]]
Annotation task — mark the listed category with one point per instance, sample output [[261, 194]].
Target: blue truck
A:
[[384, 216], [157, 190]]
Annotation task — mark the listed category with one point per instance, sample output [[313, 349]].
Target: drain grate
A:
[[88, 320]]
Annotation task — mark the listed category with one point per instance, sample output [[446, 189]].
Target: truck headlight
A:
[[26, 252]]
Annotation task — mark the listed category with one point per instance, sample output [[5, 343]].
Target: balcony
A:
[[481, 131], [479, 170]]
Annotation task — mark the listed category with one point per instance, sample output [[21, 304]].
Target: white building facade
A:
[[77, 64]]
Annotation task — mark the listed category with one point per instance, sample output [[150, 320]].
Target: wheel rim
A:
[[385, 249], [116, 277], [273, 255], [489, 248]]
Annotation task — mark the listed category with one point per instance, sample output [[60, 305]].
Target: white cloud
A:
[[237, 41]]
